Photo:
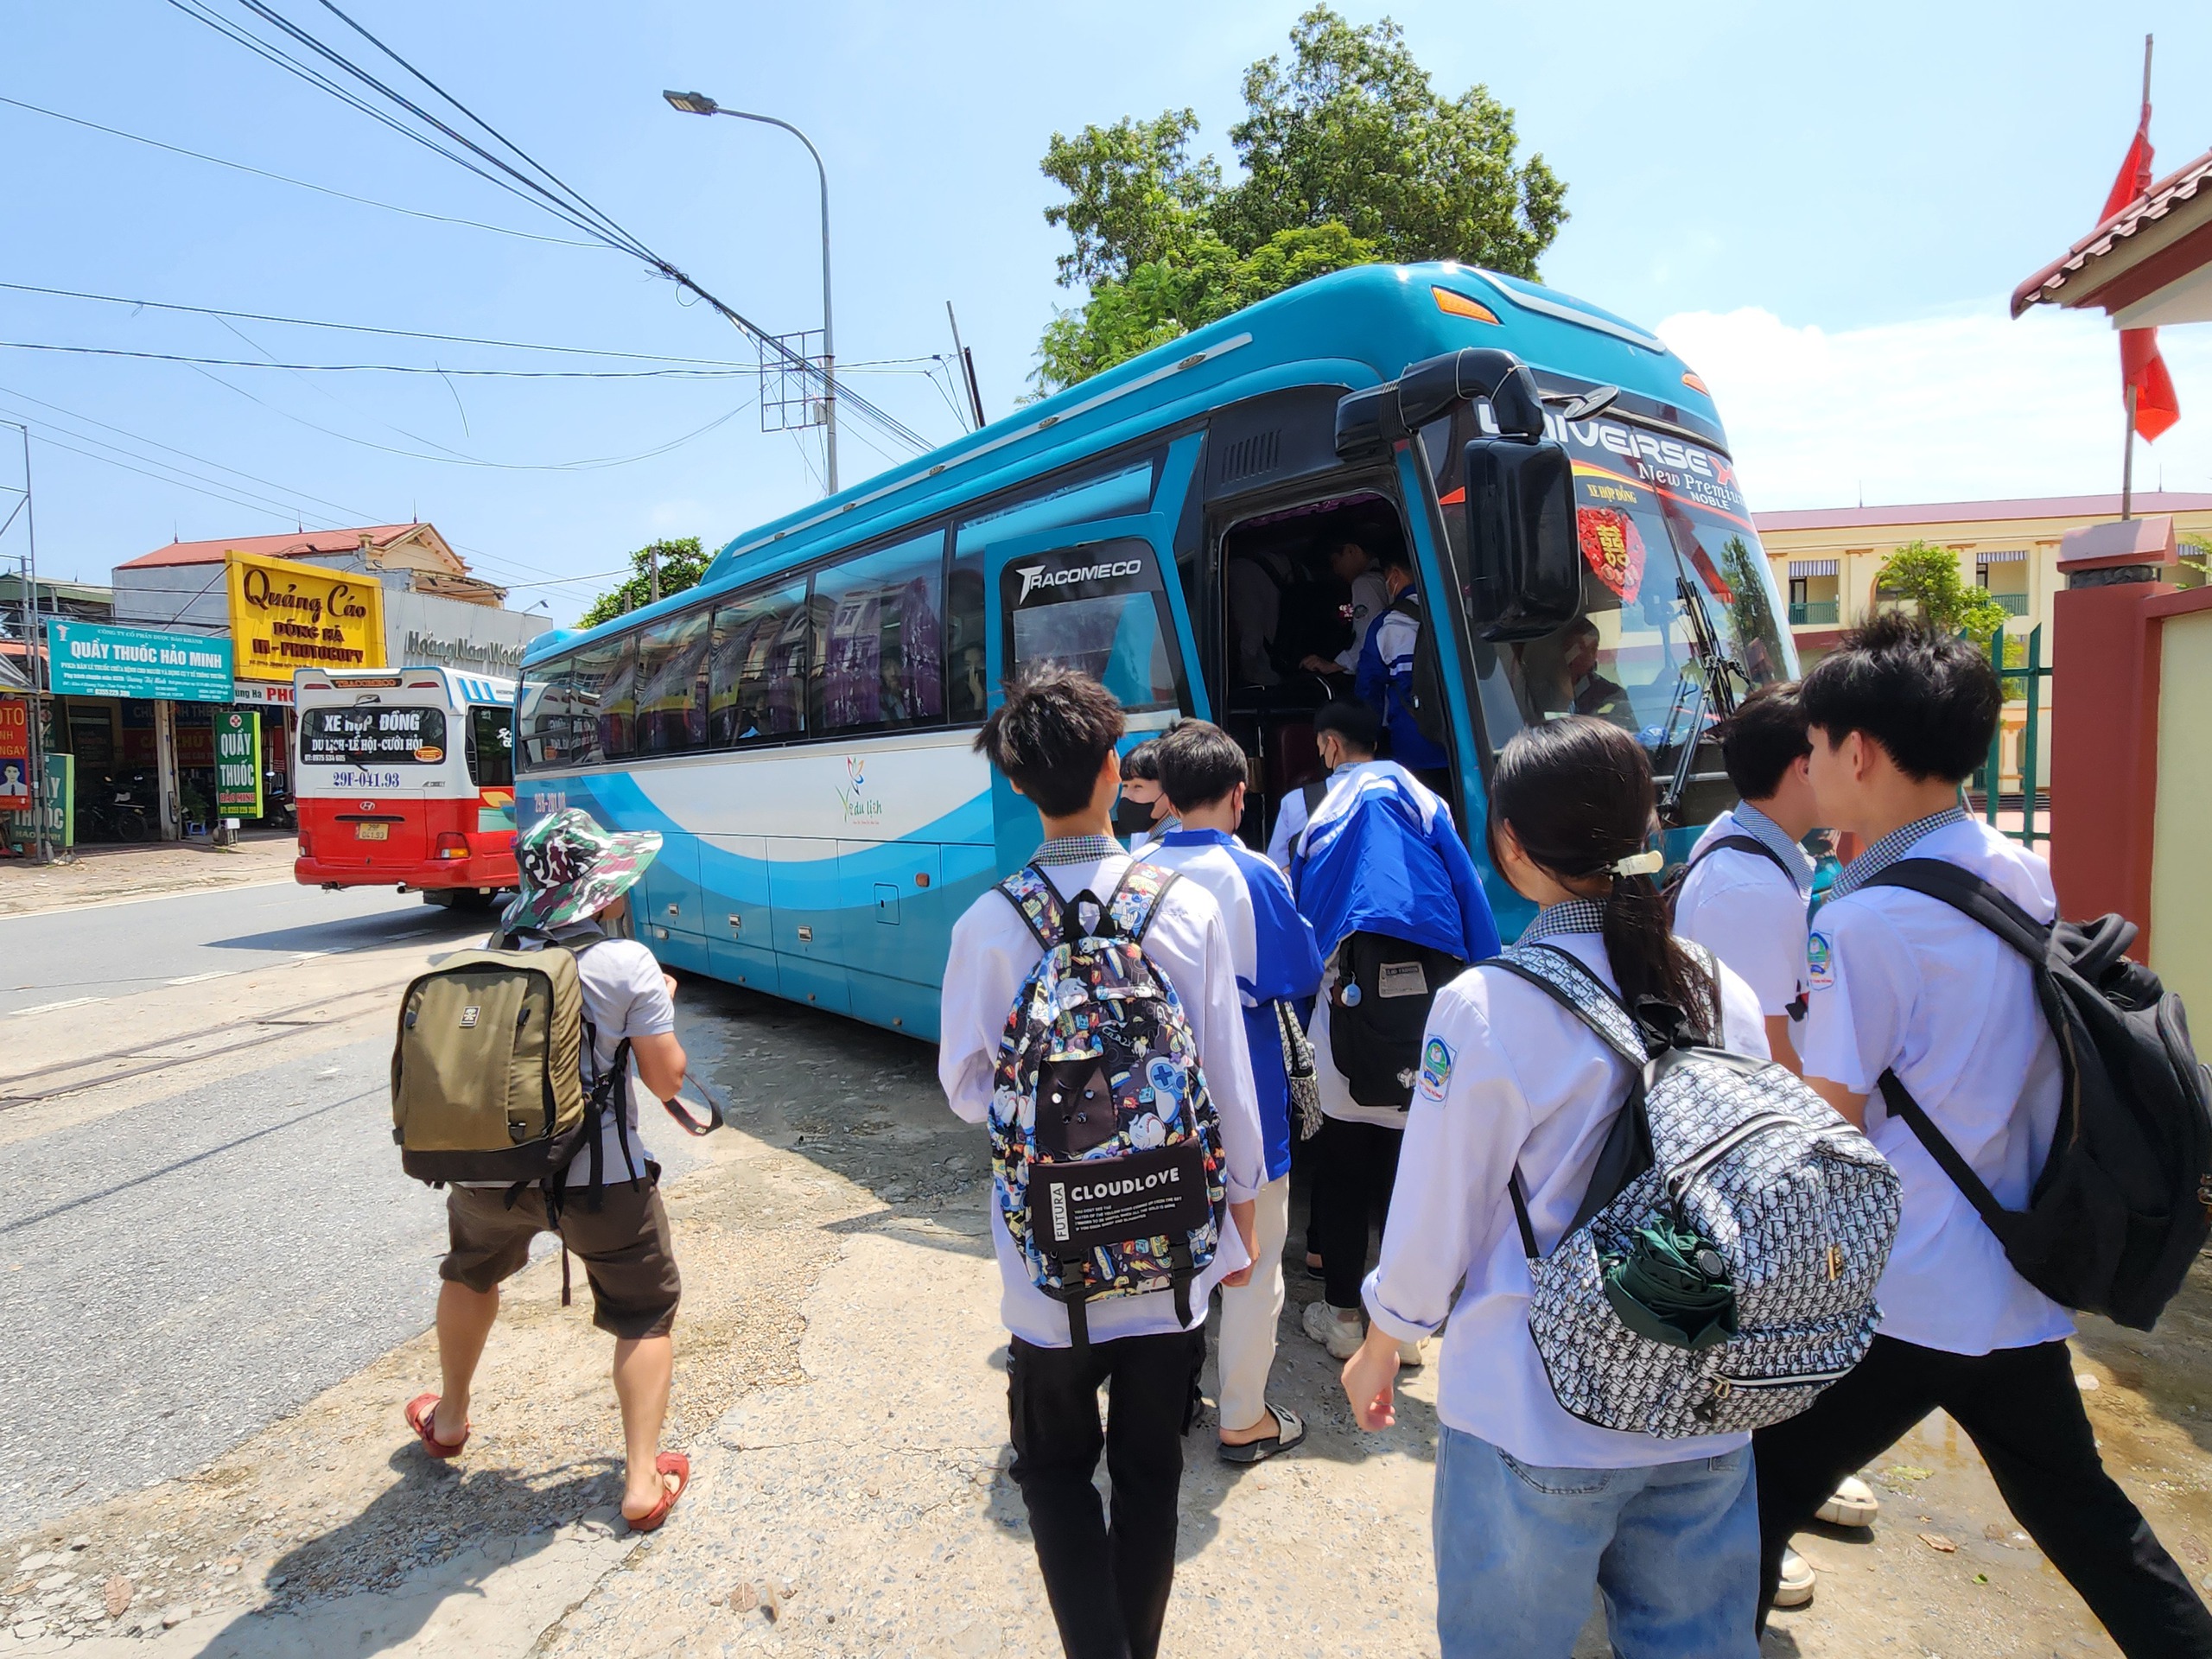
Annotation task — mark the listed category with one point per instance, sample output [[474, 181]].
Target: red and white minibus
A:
[[405, 776]]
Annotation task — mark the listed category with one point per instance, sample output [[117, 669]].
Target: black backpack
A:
[[1378, 1014], [2124, 1200], [1671, 892]]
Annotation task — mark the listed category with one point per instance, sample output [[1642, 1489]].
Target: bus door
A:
[[1100, 597]]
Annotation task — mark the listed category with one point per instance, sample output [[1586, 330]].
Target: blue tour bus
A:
[[799, 726]]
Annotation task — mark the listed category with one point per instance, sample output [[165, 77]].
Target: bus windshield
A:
[[1677, 597], [373, 734]]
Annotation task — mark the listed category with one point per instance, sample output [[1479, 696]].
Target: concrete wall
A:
[[426, 630], [2180, 894]]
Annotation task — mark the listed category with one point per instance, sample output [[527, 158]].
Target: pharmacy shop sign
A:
[[92, 660], [238, 764]]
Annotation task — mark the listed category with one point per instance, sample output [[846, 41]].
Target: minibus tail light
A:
[[452, 844]]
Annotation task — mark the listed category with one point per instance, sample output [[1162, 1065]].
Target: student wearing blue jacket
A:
[[1379, 855], [1202, 773], [1385, 677]]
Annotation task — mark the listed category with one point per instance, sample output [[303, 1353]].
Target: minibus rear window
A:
[[374, 734]]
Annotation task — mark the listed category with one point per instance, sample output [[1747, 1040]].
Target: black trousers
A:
[[1108, 1583], [2023, 1410], [1354, 1172]]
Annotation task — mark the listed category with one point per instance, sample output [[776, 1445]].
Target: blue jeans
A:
[[1673, 1547]]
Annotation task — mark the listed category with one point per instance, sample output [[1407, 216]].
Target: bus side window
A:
[[881, 663], [756, 688], [544, 718], [672, 706], [1112, 624], [491, 748], [967, 688]]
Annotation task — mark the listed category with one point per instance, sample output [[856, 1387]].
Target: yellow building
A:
[[1825, 561]]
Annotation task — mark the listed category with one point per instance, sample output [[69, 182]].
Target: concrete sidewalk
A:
[[92, 875]]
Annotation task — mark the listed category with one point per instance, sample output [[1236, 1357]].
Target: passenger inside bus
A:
[[1293, 582]]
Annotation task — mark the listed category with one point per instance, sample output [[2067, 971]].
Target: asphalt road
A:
[[70, 959], [179, 1266]]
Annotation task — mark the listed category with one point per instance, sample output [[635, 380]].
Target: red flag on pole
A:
[[2142, 370]]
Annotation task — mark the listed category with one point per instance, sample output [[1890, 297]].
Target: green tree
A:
[[682, 564], [1349, 156], [1927, 576]]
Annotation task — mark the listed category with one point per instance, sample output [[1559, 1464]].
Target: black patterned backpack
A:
[[1721, 1271], [1106, 1150]]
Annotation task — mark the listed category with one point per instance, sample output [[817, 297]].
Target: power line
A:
[[552, 193], [281, 178], [366, 329], [383, 368]]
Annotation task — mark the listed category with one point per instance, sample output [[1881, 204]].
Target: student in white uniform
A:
[[1054, 740], [1142, 814], [1903, 983], [1535, 1508], [1277, 968], [1354, 562], [1749, 881]]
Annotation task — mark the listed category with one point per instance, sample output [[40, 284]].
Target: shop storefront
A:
[[133, 708]]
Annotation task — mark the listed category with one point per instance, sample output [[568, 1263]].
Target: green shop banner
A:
[[61, 806], [238, 764], [91, 660]]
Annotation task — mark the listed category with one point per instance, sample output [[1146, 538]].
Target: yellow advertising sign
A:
[[285, 616]]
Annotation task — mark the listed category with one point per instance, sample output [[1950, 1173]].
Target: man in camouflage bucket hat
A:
[[571, 869], [575, 881]]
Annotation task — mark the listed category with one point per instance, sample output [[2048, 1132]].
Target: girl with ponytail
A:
[[1533, 1507]]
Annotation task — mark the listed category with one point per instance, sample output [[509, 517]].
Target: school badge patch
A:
[[1819, 966], [1435, 1067]]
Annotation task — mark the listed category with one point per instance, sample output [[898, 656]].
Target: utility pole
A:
[[2127, 451], [967, 359], [652, 574], [700, 104], [42, 845]]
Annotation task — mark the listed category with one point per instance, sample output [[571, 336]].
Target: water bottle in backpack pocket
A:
[[1721, 1271], [1106, 1150]]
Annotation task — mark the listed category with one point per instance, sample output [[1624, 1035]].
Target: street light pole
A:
[[700, 104]]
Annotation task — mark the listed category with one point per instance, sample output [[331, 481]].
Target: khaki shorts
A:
[[625, 1247]]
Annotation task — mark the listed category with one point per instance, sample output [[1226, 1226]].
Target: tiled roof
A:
[[296, 545], [1954, 513], [2046, 286]]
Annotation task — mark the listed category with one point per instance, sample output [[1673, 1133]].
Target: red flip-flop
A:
[[668, 1462], [418, 1415]]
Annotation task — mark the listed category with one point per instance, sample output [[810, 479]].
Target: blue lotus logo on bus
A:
[[860, 807]]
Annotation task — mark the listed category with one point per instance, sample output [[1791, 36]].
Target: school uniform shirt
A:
[[1511, 1078], [1370, 597], [1901, 982], [1272, 948], [1385, 679], [1748, 911], [1290, 822], [1151, 837], [993, 951]]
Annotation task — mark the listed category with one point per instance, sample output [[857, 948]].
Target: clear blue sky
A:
[[1863, 187]]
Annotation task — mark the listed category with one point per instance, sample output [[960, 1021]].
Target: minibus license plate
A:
[[372, 832]]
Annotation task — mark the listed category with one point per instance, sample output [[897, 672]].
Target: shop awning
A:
[[1811, 568], [2002, 555]]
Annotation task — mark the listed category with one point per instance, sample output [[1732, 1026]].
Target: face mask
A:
[[1132, 817]]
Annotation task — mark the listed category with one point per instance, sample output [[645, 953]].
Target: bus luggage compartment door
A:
[[895, 932], [807, 924], [666, 911], [740, 935]]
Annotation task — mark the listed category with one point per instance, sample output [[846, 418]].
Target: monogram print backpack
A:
[[1106, 1149]]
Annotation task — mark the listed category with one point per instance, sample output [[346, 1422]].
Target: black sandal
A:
[[1289, 1435]]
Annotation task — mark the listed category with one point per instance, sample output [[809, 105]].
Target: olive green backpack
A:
[[487, 1075]]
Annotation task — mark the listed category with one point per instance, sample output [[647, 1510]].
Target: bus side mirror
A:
[[1524, 567]]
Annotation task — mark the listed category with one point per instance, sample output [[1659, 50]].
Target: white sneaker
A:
[[1340, 1335], [1853, 1504], [1409, 1356], [1795, 1589]]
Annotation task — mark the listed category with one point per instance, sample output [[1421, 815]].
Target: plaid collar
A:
[[1568, 916], [1077, 849], [1892, 848], [1771, 835]]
